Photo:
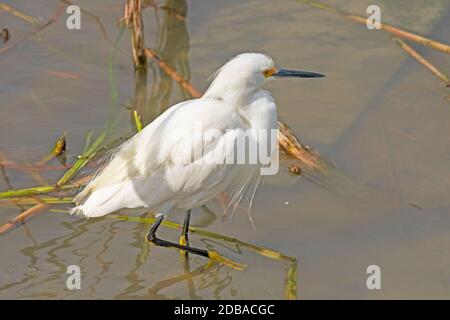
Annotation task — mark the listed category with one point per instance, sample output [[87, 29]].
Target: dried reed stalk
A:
[[171, 72], [384, 26], [18, 14], [61, 184], [416, 55], [133, 19], [22, 217], [50, 21]]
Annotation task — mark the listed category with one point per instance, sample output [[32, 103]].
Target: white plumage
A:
[[158, 169]]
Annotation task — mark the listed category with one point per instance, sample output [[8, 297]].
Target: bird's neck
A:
[[234, 96], [259, 110]]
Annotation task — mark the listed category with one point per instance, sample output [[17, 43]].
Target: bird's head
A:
[[247, 72]]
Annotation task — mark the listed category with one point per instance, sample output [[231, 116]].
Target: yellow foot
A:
[[183, 242], [215, 256]]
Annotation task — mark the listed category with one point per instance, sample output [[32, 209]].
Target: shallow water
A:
[[379, 116]]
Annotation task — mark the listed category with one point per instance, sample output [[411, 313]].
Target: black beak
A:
[[299, 74]]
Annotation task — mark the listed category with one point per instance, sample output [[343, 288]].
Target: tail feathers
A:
[[78, 212], [84, 211], [90, 210], [83, 195], [98, 203]]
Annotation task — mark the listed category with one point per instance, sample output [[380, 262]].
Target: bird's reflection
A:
[[187, 276]]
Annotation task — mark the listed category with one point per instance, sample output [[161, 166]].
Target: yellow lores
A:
[[270, 72]]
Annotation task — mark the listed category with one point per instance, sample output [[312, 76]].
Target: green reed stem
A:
[[33, 191], [290, 282]]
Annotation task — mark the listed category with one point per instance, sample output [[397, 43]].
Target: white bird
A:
[[168, 165]]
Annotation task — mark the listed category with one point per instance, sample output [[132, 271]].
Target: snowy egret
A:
[[159, 170]]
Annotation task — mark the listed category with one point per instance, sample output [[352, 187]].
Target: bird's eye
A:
[[269, 72]]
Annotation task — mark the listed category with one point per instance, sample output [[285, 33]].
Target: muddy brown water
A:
[[378, 115]]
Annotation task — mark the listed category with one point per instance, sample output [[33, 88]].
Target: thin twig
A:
[[384, 26], [22, 217], [18, 14], [34, 191], [35, 200], [133, 19], [50, 21], [32, 167], [416, 55], [171, 72]]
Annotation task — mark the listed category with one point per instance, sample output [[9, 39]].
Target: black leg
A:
[[184, 239], [151, 237]]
